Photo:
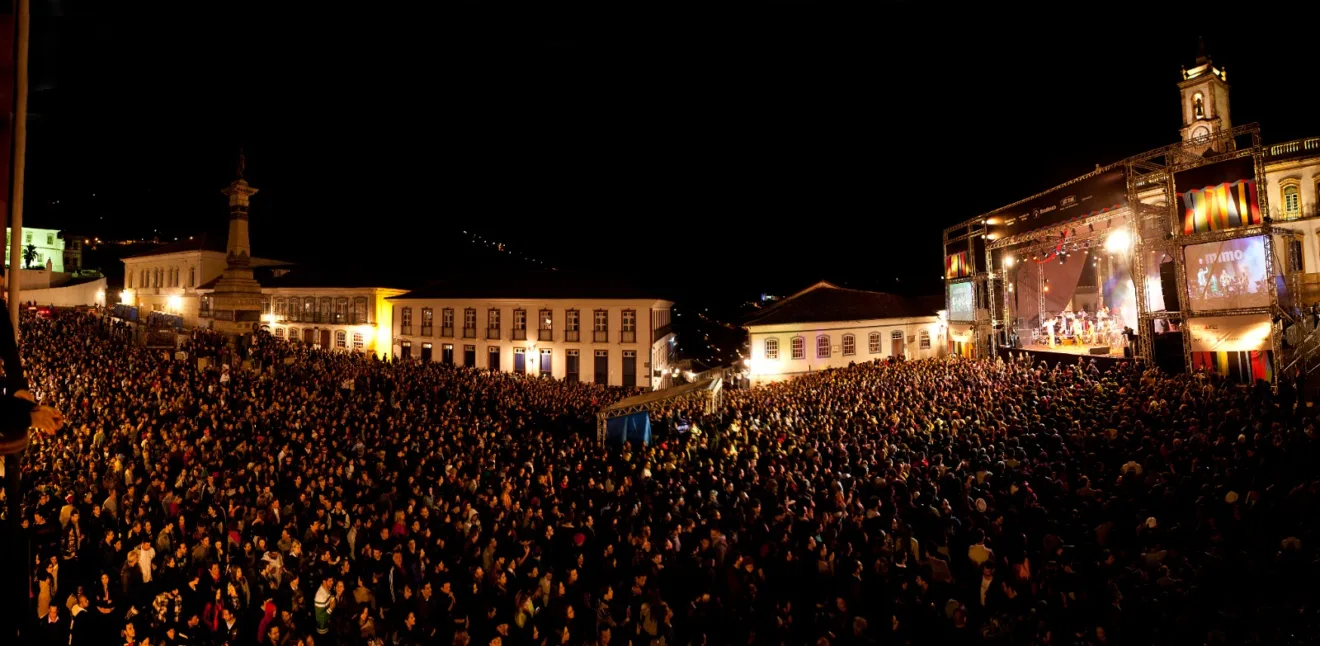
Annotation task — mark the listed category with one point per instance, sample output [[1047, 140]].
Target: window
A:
[[293, 334], [50, 239], [1292, 202], [493, 323], [360, 310], [520, 325], [1198, 105], [772, 348], [873, 343], [571, 365], [545, 331], [341, 339], [924, 340], [295, 310], [28, 237], [279, 333], [279, 308], [896, 335], [628, 329], [572, 322], [326, 304], [265, 305], [601, 326], [192, 276], [799, 346], [405, 320], [427, 316], [470, 323], [849, 345], [520, 361], [493, 357], [309, 309], [341, 310], [447, 322], [130, 279], [823, 346], [357, 341]]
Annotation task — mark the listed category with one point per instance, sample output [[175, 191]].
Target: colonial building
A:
[[47, 245], [168, 279], [826, 326], [545, 324]]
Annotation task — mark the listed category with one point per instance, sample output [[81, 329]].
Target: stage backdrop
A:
[[1217, 196], [1096, 194], [1061, 279], [1227, 275]]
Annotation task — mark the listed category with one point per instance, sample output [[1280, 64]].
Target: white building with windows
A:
[[169, 279], [47, 244], [544, 324], [826, 326]]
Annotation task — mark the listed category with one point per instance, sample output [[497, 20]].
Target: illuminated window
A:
[[873, 343], [295, 310], [341, 339], [360, 310], [1292, 202], [799, 346], [447, 321], [772, 348], [293, 334], [279, 333], [571, 320], [265, 305], [50, 239], [1198, 105], [849, 345], [602, 321], [341, 310], [309, 309], [357, 341], [896, 335], [823, 346], [470, 319], [428, 316], [492, 319], [924, 339], [405, 320]]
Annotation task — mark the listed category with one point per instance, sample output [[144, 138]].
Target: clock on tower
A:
[[1204, 93]]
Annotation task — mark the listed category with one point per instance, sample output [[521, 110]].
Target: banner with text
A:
[[1091, 196], [1230, 333]]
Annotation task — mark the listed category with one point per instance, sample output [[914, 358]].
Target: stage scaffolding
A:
[[1151, 216]]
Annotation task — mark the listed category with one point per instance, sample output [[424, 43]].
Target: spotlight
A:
[[1119, 241]]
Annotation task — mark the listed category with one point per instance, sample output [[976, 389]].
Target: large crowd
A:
[[327, 498]]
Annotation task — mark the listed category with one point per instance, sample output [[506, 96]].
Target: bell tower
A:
[[236, 300], [1204, 93]]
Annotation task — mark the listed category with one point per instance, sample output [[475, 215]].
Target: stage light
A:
[[1008, 261], [1119, 242]]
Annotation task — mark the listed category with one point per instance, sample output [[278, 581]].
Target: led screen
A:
[[1227, 275], [960, 302]]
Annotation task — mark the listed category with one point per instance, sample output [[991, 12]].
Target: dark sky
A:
[[721, 154]]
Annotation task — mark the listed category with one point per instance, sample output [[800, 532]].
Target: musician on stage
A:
[[1049, 326]]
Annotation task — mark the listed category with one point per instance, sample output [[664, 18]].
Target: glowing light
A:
[[1008, 261], [1119, 241], [368, 332], [174, 303], [126, 297], [269, 318]]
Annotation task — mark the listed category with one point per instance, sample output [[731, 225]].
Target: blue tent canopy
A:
[[629, 428]]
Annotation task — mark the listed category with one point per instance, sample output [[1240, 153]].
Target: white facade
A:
[[344, 319], [48, 244], [629, 340], [786, 350], [168, 282]]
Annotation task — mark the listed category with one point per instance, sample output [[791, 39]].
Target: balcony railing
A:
[[572, 335], [469, 333], [600, 336], [447, 331], [426, 330], [405, 330], [1308, 145], [661, 331], [545, 335], [627, 336], [493, 333], [359, 319], [519, 334]]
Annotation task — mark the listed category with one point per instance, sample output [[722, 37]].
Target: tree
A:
[[29, 255]]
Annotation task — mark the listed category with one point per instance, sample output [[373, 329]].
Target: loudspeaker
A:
[[1100, 349], [1169, 285]]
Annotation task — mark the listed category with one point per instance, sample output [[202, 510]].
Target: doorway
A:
[[309, 336], [520, 360], [325, 339], [603, 367], [426, 353], [546, 363], [470, 356], [447, 354], [406, 352], [630, 368]]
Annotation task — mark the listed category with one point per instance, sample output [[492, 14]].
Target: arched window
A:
[[1292, 202], [772, 348], [192, 276], [341, 339], [924, 339], [849, 345], [360, 310], [279, 333], [873, 343], [1198, 105], [823, 346], [309, 309], [799, 346], [896, 335], [130, 278]]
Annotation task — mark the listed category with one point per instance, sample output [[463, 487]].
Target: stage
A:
[[1065, 354]]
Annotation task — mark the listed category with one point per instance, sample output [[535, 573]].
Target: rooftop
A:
[[825, 301], [198, 243], [532, 285]]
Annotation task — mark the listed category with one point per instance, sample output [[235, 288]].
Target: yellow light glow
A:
[[174, 303], [1119, 241], [269, 318], [368, 332], [1008, 261], [126, 297]]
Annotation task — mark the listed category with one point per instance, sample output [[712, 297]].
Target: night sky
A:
[[718, 155]]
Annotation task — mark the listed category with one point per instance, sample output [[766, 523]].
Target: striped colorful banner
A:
[[956, 266], [1224, 206], [1243, 367]]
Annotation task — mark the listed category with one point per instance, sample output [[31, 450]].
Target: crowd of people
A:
[[336, 499]]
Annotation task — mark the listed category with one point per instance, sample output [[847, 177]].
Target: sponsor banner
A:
[[1096, 194], [956, 266], [1230, 333], [960, 333], [1218, 196]]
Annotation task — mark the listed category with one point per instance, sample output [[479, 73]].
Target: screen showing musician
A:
[[960, 302], [1225, 275]]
